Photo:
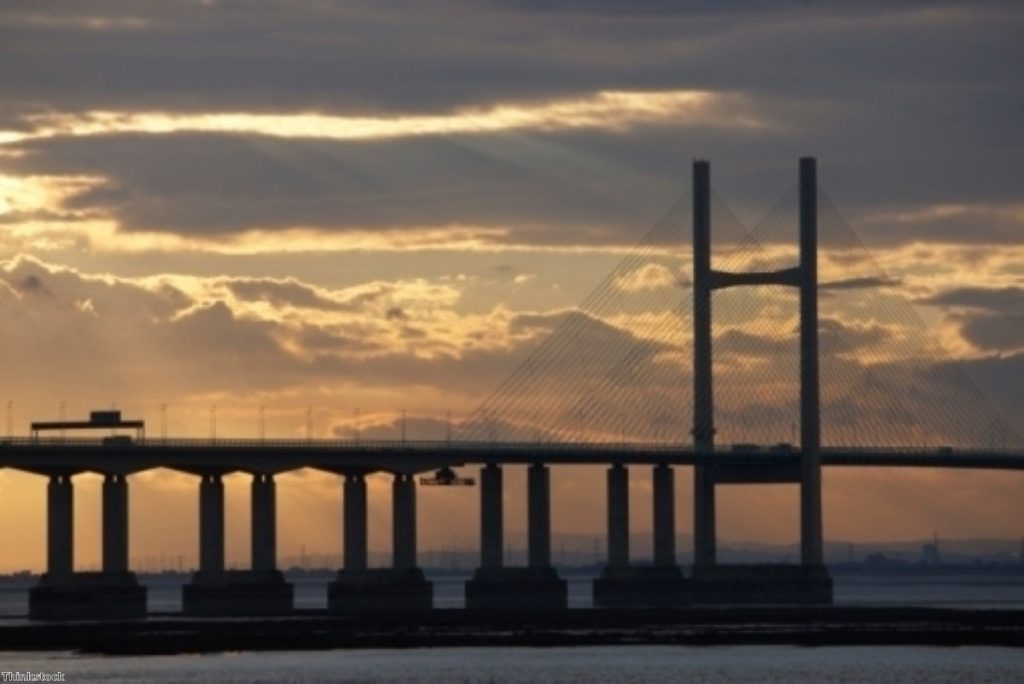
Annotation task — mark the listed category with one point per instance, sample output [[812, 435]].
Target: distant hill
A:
[[584, 549]]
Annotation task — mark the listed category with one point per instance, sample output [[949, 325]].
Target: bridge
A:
[[115, 593], [48, 456]]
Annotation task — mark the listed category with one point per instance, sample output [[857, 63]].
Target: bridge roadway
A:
[[739, 463]]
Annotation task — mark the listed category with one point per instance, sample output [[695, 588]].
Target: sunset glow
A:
[[317, 224]]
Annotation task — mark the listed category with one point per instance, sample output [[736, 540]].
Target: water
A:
[[580, 664], [583, 664]]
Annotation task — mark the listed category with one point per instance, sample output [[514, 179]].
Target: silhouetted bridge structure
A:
[[49, 456], [214, 590]]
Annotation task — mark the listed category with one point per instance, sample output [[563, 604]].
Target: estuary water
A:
[[570, 664]]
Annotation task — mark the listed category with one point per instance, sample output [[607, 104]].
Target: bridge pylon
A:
[[808, 582]]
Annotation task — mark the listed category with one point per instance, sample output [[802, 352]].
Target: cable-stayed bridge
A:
[[627, 379]]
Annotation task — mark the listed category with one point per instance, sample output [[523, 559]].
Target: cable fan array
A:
[[618, 368]]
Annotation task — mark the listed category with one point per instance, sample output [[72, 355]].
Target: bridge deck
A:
[[195, 455]]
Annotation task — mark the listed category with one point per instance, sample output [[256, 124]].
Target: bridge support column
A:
[[664, 516], [115, 524], [622, 585], [264, 523], [534, 587], [211, 525], [60, 527], [705, 552], [538, 516], [357, 588], [403, 506], [354, 524], [492, 550], [618, 516], [215, 591], [63, 594]]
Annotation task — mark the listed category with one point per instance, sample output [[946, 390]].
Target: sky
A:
[[304, 218]]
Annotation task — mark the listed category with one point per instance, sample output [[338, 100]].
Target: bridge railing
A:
[[389, 445], [346, 444]]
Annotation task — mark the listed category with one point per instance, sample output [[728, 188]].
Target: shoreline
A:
[[168, 634]]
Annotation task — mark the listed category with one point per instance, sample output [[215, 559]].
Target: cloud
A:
[[463, 190], [334, 54], [849, 337], [32, 284], [179, 338], [893, 80], [1005, 300], [287, 292], [395, 313], [865, 282], [648, 277], [990, 319], [992, 222], [741, 343], [987, 332], [612, 110]]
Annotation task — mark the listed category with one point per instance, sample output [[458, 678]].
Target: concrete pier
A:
[[664, 516], [264, 523], [260, 590], [618, 516], [403, 519], [60, 527], [622, 585], [754, 584], [535, 587], [402, 587], [538, 515], [354, 523], [62, 594], [115, 524], [211, 525], [492, 548]]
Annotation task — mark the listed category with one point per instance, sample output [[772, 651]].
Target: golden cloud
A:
[[610, 110]]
